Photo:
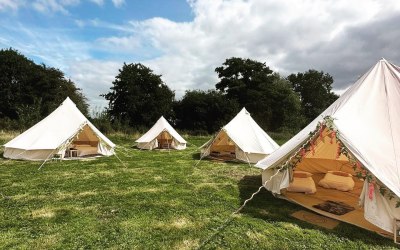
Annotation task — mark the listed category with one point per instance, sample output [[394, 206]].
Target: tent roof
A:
[[55, 129], [248, 135], [161, 125], [368, 119]]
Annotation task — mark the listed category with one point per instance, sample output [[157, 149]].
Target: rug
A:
[[335, 207], [315, 219]]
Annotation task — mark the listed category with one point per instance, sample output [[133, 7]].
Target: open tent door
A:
[[165, 140], [319, 159], [86, 143], [223, 147]]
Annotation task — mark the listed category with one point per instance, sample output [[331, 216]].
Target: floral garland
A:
[[360, 171]]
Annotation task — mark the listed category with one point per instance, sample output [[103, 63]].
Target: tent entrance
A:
[[165, 140], [318, 163], [85, 144], [223, 147]]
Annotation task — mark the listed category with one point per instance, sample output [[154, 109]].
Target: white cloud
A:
[[50, 46], [343, 38], [118, 3], [290, 36], [10, 4], [52, 6], [95, 78], [98, 2]]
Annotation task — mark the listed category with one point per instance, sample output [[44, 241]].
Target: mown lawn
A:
[[155, 200]]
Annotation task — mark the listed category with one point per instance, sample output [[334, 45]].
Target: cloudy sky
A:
[[185, 41]]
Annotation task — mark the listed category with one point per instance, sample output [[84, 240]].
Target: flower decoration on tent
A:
[[360, 171]]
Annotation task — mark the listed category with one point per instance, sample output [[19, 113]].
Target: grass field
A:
[[155, 200]]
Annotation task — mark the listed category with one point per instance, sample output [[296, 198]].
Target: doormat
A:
[[315, 219], [335, 207]]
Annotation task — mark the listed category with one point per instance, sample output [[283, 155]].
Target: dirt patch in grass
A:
[[187, 244], [43, 213]]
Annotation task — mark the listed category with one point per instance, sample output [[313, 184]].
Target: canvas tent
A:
[[242, 138], [62, 132], [366, 122], [161, 135]]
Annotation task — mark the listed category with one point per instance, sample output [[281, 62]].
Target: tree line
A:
[[138, 96]]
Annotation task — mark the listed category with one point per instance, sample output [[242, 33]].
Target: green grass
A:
[[158, 200]]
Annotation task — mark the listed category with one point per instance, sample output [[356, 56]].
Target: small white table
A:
[[73, 153]]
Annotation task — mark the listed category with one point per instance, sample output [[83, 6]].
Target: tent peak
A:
[[68, 100], [244, 110]]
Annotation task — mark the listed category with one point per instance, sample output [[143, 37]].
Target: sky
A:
[[184, 41]]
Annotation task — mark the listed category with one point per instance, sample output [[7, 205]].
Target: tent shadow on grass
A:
[[196, 156], [271, 209]]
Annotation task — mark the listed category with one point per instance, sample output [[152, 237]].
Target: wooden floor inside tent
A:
[[355, 217]]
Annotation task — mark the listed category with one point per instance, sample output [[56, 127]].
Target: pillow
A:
[[340, 173], [302, 172], [302, 185], [342, 183]]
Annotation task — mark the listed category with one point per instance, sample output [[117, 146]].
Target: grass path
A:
[[158, 200]]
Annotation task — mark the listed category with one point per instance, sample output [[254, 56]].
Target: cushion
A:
[[302, 185], [340, 173], [333, 181], [302, 172]]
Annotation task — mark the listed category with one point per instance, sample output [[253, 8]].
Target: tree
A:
[[286, 112], [138, 96], [267, 96], [15, 73], [315, 91], [30, 92], [240, 76], [204, 111]]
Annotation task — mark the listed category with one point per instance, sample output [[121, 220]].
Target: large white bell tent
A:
[[242, 139], [64, 133], [346, 163], [161, 135]]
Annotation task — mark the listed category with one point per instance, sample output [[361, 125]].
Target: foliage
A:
[[102, 121], [207, 111], [158, 200], [267, 96], [138, 96], [315, 91], [30, 92], [239, 76]]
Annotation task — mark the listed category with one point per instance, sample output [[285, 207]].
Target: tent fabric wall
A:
[[148, 145], [22, 154], [241, 137], [161, 130], [55, 133], [368, 121]]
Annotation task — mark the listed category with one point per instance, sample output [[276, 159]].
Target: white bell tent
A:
[[359, 134], [161, 135], [66, 132], [242, 139]]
